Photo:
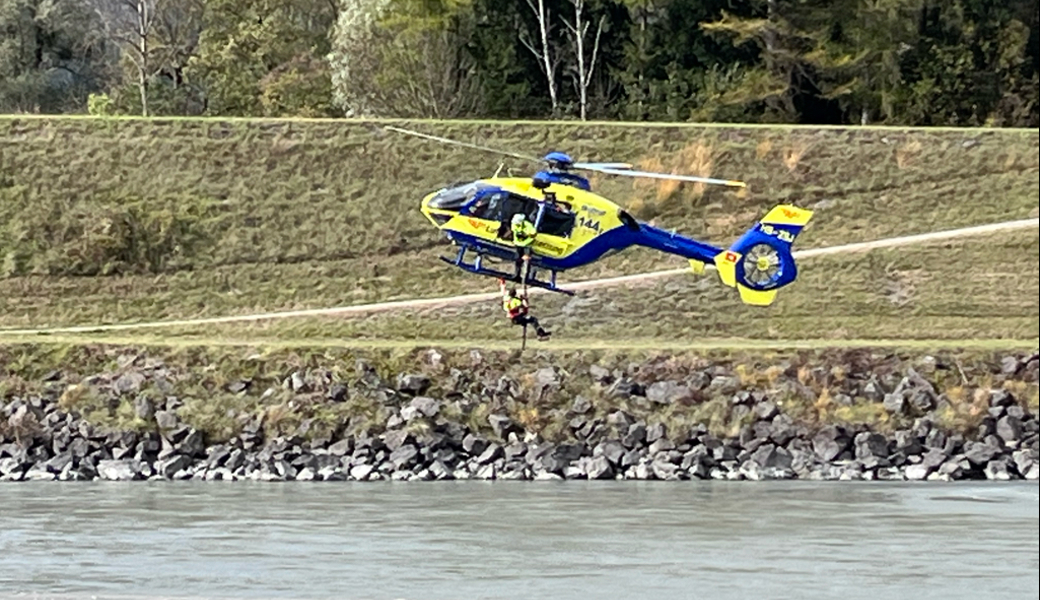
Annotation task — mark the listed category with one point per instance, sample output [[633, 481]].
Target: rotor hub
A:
[[559, 160], [762, 266]]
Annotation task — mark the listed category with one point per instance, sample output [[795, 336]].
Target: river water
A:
[[569, 540]]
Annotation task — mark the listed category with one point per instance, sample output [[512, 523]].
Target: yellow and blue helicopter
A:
[[576, 227]]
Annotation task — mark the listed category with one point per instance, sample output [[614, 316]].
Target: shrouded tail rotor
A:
[[760, 262], [762, 266]]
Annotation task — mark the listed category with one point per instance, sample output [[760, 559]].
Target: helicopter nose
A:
[[429, 201], [434, 213]]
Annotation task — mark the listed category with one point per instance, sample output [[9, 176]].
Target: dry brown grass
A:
[[697, 159], [908, 153], [763, 149], [78, 397], [661, 190], [793, 155], [692, 159]]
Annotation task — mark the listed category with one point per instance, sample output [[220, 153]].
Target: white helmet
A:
[[518, 218]]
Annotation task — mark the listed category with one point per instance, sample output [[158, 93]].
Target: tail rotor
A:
[[760, 262]]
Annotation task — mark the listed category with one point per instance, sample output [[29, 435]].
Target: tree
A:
[[156, 39], [353, 55], [246, 45], [52, 55], [404, 58], [131, 24], [508, 77], [913, 62], [300, 87], [177, 29], [585, 69], [971, 65], [780, 44], [857, 52], [640, 52], [673, 69], [543, 50]]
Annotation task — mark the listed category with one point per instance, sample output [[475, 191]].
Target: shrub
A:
[[104, 237]]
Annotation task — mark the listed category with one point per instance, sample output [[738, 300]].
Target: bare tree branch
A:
[[548, 65], [136, 27], [585, 70]]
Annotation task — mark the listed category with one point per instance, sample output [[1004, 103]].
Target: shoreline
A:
[[846, 415]]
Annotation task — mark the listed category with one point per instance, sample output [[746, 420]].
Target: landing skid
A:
[[477, 268]]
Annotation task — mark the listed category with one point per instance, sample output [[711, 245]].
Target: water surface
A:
[[562, 540]]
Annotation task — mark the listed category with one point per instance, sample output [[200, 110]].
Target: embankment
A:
[[83, 413], [116, 220]]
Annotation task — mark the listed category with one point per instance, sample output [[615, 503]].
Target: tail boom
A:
[[649, 236], [757, 265]]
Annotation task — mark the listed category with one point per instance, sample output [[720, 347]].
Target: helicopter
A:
[[576, 227]]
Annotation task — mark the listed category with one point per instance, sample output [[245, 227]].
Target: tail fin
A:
[[760, 262]]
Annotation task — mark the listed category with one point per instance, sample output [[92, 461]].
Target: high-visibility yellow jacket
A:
[[523, 234], [512, 306]]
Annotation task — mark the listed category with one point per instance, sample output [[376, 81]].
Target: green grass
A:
[[111, 220], [114, 220], [949, 291]]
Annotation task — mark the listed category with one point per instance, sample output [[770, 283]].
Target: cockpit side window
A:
[[488, 205], [557, 220]]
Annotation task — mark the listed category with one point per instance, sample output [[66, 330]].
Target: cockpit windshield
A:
[[453, 198]]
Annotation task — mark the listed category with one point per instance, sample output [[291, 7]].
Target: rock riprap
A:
[[852, 415]]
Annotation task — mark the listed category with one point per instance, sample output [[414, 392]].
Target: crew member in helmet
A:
[[517, 309], [523, 238], [523, 231]]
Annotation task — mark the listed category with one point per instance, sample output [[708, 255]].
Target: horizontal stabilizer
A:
[[726, 263], [786, 214]]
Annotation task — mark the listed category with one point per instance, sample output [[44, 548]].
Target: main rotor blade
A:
[[458, 143], [600, 166], [653, 175]]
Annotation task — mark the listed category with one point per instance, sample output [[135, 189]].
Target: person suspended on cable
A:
[[518, 311]]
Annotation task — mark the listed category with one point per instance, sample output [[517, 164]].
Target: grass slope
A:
[[937, 292], [108, 220]]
